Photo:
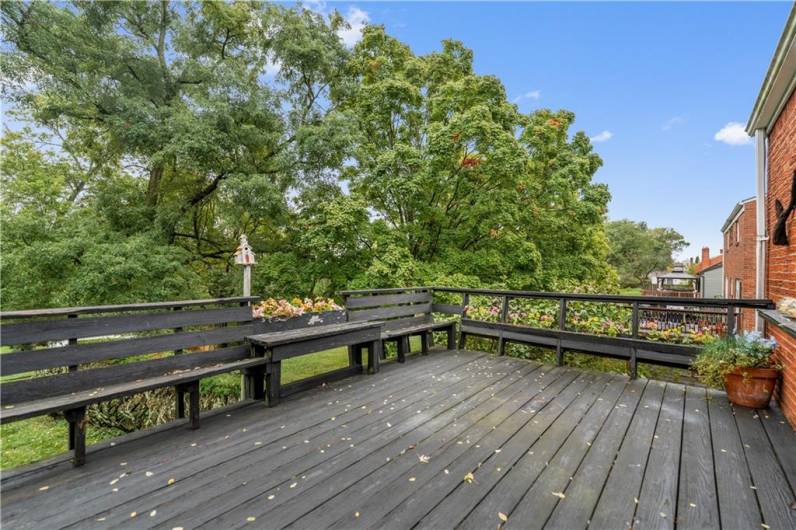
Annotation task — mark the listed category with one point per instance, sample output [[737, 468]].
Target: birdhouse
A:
[[244, 254]]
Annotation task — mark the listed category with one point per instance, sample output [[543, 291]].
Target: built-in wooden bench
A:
[[277, 346], [404, 313], [62, 357]]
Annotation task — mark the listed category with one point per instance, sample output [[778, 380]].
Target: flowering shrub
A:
[[598, 318], [282, 308], [722, 356]]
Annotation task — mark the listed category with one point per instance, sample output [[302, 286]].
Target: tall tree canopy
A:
[[162, 131], [637, 250]]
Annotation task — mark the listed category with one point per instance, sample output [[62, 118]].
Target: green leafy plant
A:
[[722, 356]]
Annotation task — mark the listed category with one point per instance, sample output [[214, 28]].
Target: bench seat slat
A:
[[42, 387], [411, 330], [269, 340], [78, 328], [73, 354], [88, 397]]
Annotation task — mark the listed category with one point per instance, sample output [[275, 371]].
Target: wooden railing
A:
[[660, 330]]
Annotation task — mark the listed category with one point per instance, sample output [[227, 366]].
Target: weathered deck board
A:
[[547, 448]]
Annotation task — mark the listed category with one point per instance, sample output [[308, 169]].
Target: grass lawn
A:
[[630, 291], [43, 437]]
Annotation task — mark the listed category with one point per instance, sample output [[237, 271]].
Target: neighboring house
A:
[[710, 272], [739, 258], [773, 125]]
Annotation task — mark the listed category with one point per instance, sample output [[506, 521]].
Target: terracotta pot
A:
[[751, 387]]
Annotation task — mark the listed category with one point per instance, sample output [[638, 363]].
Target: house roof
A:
[[707, 264], [734, 213], [678, 276], [779, 82], [713, 266]]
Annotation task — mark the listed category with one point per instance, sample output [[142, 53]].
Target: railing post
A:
[[634, 331], [462, 336], [73, 367], [504, 313], [731, 320], [562, 320]]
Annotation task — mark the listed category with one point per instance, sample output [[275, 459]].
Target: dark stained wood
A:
[[666, 354], [279, 338], [26, 361], [388, 299], [771, 486], [78, 328], [348, 455], [617, 504], [449, 309], [657, 503], [64, 402], [698, 504], [782, 437], [382, 313], [581, 496], [41, 387], [65, 311], [738, 506], [539, 502]]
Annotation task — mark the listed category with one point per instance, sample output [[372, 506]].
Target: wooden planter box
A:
[[306, 320]]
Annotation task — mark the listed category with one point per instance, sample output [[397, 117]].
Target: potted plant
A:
[[743, 365]]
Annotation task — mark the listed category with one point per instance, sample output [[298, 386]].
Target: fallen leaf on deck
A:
[[468, 478], [503, 517], [559, 494]]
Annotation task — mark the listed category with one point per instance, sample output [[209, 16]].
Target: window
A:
[[738, 288]]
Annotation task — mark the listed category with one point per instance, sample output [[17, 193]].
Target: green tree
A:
[[461, 177], [637, 250]]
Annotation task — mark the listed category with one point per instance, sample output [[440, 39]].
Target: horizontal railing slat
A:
[[65, 311], [673, 354], [656, 300], [387, 299], [389, 312], [78, 328], [449, 309], [43, 387], [75, 354]]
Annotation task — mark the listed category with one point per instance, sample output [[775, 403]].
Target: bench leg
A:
[[180, 403], [452, 337], [77, 434], [462, 339], [403, 346], [355, 356], [255, 383], [632, 364], [501, 346], [375, 350], [424, 342], [273, 383]]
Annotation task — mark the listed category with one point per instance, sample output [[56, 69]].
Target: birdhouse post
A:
[[244, 256]]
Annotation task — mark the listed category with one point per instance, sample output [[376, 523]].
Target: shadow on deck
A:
[[453, 439]]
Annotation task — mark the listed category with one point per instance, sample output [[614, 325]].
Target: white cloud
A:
[[673, 122], [733, 134], [602, 137], [533, 94], [357, 20]]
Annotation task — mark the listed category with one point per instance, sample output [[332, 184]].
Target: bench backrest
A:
[[397, 308], [60, 351]]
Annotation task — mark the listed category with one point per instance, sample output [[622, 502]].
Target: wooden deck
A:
[[455, 439]]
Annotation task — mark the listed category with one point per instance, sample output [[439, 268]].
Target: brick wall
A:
[[739, 261], [781, 260]]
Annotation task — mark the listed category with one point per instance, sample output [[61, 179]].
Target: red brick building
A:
[[773, 125], [740, 231]]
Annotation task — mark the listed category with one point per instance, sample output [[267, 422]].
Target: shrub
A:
[[722, 356]]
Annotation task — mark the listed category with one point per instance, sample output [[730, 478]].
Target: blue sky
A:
[[656, 82]]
